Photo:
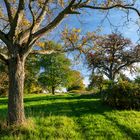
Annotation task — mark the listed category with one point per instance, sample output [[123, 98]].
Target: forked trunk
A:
[[16, 86]]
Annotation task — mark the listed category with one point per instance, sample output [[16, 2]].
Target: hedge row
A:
[[123, 95]]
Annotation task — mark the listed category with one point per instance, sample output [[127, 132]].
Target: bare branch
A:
[[110, 7], [18, 18], [43, 52], [35, 25], [3, 57], [9, 12], [56, 21], [41, 16], [4, 38]]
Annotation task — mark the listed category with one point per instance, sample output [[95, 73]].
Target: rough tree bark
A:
[[16, 87]]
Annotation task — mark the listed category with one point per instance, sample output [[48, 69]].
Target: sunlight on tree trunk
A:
[[16, 87]]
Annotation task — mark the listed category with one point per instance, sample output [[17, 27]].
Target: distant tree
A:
[[3, 79], [111, 54], [55, 69], [123, 77], [32, 70], [137, 78], [75, 81], [97, 81]]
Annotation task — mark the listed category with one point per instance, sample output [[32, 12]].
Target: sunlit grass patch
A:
[[71, 117]]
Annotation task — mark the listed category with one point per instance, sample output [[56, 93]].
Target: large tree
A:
[[22, 23], [111, 54], [55, 71]]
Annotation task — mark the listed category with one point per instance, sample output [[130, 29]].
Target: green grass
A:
[[71, 117]]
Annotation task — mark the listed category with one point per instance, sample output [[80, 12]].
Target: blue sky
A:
[[91, 20]]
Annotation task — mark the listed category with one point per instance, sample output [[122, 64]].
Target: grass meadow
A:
[[70, 117]]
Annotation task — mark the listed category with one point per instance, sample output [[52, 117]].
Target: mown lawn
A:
[[71, 117]]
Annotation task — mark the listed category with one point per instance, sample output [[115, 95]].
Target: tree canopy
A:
[[111, 54]]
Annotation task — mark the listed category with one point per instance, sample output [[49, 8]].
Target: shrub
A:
[[33, 88], [123, 95], [75, 87], [78, 91]]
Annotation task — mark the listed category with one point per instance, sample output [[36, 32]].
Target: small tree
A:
[[75, 81], [111, 54], [97, 81]]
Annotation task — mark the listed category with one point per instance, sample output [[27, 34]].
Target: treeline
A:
[[46, 73], [111, 57], [108, 59]]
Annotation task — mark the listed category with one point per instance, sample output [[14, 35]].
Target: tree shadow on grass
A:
[[71, 108], [3, 101], [75, 105], [53, 108], [76, 109], [63, 96], [123, 128], [84, 105], [60, 108]]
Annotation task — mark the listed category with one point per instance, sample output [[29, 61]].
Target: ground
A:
[[71, 117]]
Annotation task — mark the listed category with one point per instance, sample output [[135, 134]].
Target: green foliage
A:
[[32, 69], [123, 77], [137, 80], [123, 95], [55, 69], [96, 81], [3, 80], [74, 87], [70, 117], [78, 91], [75, 81]]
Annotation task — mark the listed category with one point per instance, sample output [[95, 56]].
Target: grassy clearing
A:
[[71, 117]]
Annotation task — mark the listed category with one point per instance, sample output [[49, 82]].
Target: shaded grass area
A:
[[71, 117]]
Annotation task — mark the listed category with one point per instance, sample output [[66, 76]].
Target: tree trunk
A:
[[111, 78], [53, 90], [16, 86]]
